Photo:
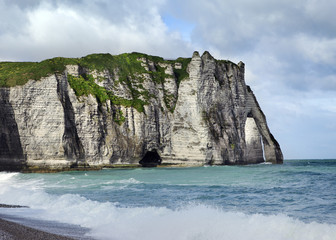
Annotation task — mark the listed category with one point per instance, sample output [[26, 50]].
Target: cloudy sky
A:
[[288, 46]]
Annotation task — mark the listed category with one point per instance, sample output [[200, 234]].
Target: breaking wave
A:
[[193, 221]]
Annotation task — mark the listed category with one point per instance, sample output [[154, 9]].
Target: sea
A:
[[294, 200]]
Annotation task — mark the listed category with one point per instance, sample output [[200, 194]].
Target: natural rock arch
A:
[[253, 140]]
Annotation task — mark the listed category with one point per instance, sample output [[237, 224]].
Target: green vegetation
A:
[[85, 85], [136, 103], [160, 75], [181, 73], [119, 117], [128, 69], [125, 68], [125, 65], [18, 73]]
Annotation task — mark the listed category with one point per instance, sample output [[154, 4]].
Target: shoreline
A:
[[14, 227], [14, 231], [88, 167], [49, 169]]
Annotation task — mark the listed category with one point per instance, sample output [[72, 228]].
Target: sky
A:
[[288, 47]]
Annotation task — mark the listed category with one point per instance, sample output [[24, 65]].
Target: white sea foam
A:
[[119, 184], [107, 221], [124, 181], [6, 176], [265, 163], [5, 180]]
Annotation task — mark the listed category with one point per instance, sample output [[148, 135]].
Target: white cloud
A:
[[323, 12], [62, 30], [317, 50]]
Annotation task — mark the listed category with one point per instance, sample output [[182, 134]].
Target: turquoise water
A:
[[296, 200]]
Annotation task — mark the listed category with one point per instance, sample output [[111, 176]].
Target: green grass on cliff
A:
[[19, 73], [124, 65], [85, 85], [181, 73], [125, 68]]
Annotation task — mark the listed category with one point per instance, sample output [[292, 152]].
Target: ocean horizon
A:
[[293, 200]]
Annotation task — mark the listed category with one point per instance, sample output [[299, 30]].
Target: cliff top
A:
[[19, 73]]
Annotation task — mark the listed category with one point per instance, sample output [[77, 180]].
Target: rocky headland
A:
[[104, 111]]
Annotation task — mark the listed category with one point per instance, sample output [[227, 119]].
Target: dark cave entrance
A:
[[151, 159]]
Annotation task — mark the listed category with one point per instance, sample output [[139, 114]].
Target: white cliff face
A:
[[39, 117], [208, 117], [189, 136]]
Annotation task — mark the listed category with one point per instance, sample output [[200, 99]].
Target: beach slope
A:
[[14, 231]]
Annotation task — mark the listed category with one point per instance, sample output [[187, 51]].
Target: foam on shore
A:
[[190, 221]]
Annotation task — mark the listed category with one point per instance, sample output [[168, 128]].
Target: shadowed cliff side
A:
[[73, 149], [11, 153]]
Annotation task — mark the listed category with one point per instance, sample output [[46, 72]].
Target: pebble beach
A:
[[16, 228], [14, 231]]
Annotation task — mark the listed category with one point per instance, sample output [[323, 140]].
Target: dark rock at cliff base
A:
[[105, 110], [151, 159]]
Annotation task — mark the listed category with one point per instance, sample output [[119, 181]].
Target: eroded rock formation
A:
[[207, 116]]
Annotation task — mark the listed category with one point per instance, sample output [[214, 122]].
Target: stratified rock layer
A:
[[209, 117]]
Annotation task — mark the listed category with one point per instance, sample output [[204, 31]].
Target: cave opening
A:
[[151, 159]]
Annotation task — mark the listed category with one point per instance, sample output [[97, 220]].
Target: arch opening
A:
[[254, 143]]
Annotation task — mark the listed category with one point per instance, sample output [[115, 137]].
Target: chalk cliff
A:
[[104, 110]]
